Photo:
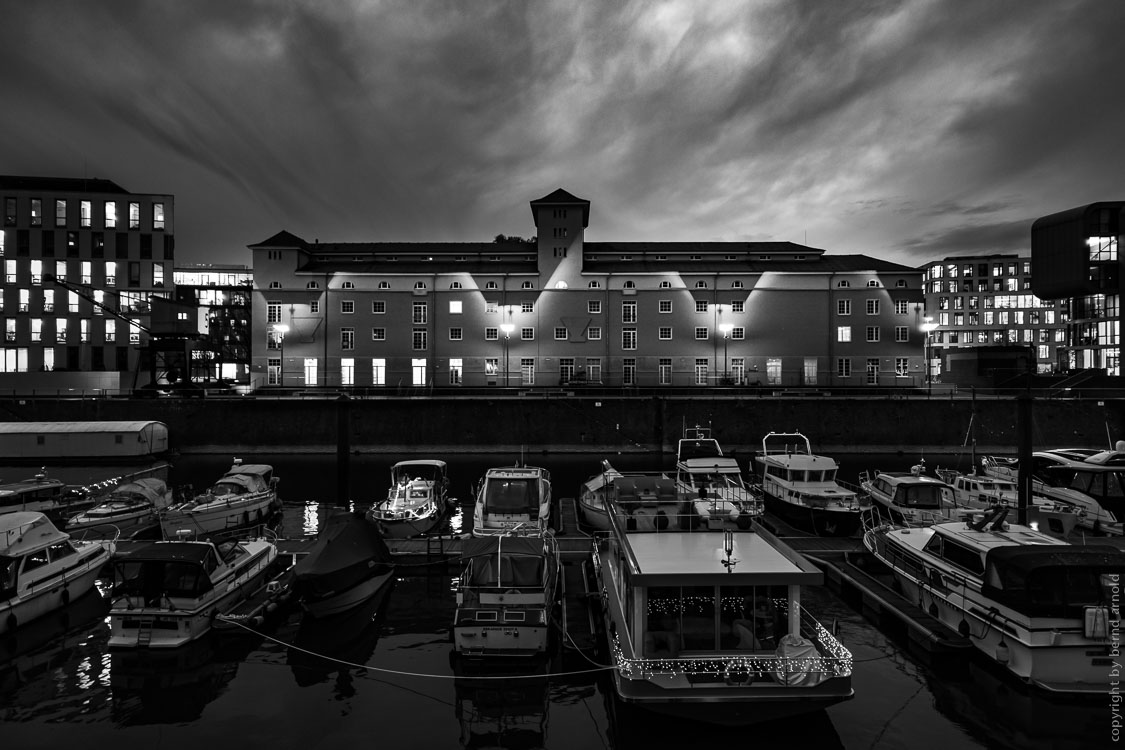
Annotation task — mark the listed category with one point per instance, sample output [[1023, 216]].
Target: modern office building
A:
[[1077, 262], [560, 310], [222, 294], [84, 260], [987, 301]]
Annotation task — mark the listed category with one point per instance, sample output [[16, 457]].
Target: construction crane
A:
[[168, 351]]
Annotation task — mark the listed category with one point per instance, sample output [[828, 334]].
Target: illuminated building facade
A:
[[111, 252], [222, 294], [559, 310]]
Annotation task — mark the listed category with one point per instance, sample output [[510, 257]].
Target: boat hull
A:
[[347, 599], [1071, 665], [70, 586], [820, 521], [404, 527], [218, 516]]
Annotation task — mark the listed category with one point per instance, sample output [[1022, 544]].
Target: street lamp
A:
[[928, 328], [279, 330], [726, 328], [507, 328]]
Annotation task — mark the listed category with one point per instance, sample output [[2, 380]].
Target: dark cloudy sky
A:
[[905, 130]]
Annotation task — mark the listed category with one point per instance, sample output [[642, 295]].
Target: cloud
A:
[[887, 128]]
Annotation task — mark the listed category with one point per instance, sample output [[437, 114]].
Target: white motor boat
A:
[[42, 569], [246, 495]]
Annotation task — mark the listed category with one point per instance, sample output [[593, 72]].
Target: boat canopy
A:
[[181, 569], [345, 553], [261, 470], [1052, 580], [24, 531], [427, 470], [518, 495], [645, 490], [504, 561], [149, 489]]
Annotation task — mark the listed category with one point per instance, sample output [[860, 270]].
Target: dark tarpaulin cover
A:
[[520, 561], [348, 550]]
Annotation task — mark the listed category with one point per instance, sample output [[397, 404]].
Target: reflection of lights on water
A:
[[456, 520], [310, 518], [85, 681], [104, 677]]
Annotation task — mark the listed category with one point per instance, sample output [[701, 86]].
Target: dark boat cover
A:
[[348, 550], [504, 561], [1051, 580]]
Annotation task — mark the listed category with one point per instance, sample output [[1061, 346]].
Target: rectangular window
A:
[[629, 371], [36, 212], [738, 333], [455, 334], [902, 334], [310, 371], [134, 215], [902, 307], [60, 329], [593, 369], [594, 306], [664, 306], [273, 370], [628, 312], [527, 371], [72, 302], [700, 306], [419, 313], [810, 370], [378, 307], [110, 273], [664, 371], [110, 215], [97, 244], [87, 274], [843, 307], [455, 368], [527, 334], [347, 339], [629, 339], [110, 331], [420, 343], [701, 333], [844, 367], [36, 271], [347, 306], [158, 216], [25, 300], [378, 334], [872, 333], [455, 307], [665, 333], [491, 334], [872, 307], [873, 371], [594, 333], [701, 371], [902, 368], [527, 307], [738, 370], [36, 330], [560, 333], [273, 312], [157, 275], [314, 307], [491, 367], [10, 271], [347, 372], [60, 213], [378, 372]]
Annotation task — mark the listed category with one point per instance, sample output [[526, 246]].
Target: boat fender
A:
[[933, 610], [1002, 652], [65, 597], [963, 628], [257, 621], [743, 522], [12, 622]]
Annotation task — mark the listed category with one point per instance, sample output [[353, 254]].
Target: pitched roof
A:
[[561, 198], [281, 239]]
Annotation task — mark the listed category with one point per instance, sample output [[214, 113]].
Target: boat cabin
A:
[[29, 541], [909, 490], [169, 569], [1064, 581], [517, 497]]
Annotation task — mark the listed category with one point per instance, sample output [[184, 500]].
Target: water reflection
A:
[[339, 645], [501, 704]]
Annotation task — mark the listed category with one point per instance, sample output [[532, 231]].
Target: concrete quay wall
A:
[[580, 424]]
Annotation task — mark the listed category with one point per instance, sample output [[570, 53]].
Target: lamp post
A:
[[507, 328], [726, 328], [279, 330], [928, 328]]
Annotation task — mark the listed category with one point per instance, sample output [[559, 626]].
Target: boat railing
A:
[[803, 666]]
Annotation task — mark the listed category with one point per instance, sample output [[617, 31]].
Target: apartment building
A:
[[988, 301], [83, 261], [558, 309], [222, 295]]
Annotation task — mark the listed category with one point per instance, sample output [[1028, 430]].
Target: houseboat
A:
[[83, 442], [801, 488], [245, 496], [417, 502], [506, 595], [42, 569], [709, 626], [713, 482], [168, 593], [1037, 606], [513, 498]]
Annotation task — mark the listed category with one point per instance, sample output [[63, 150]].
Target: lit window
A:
[[110, 215], [844, 334], [134, 215], [455, 307], [60, 213], [158, 216]]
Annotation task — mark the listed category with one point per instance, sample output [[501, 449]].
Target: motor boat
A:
[[513, 498], [417, 501], [245, 496], [347, 565]]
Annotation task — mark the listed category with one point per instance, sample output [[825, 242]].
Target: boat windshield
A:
[[919, 496], [512, 496], [228, 488], [699, 449], [152, 579]]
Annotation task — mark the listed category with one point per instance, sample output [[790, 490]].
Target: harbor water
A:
[[385, 677]]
